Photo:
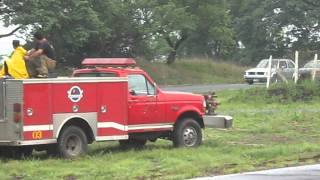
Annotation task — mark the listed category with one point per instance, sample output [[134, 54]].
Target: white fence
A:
[[279, 72]]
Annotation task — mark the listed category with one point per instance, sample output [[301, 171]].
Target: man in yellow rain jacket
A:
[[15, 66]]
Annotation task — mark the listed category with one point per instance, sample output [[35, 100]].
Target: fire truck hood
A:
[[182, 96]]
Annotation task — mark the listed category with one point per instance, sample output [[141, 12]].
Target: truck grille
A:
[[260, 73], [252, 73]]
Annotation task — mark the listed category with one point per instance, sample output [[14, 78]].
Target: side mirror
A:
[[132, 92]]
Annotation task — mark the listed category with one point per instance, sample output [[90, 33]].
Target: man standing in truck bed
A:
[[40, 58]]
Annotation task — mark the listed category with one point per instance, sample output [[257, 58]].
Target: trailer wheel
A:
[[72, 142], [132, 143], [187, 133]]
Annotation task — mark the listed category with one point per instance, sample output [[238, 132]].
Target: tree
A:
[[276, 27], [214, 34], [200, 27], [68, 24]]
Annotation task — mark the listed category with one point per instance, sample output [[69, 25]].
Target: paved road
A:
[[207, 88], [311, 172]]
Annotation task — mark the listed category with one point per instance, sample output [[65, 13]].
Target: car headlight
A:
[[204, 106]]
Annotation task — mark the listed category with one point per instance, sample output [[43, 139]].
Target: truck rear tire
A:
[[187, 133], [72, 142]]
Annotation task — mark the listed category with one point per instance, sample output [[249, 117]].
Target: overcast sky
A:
[[6, 43]]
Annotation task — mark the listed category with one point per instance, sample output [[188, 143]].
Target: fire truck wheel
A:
[[72, 142], [187, 133], [132, 143]]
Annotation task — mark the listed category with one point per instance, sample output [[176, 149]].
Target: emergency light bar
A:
[[122, 62]]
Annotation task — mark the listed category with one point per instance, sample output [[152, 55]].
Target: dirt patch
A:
[[260, 140], [279, 139], [219, 170], [70, 177]]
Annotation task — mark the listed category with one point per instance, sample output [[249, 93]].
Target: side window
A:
[[282, 64], [151, 88], [140, 86], [291, 65]]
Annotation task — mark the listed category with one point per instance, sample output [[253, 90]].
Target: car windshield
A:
[[312, 64], [264, 64]]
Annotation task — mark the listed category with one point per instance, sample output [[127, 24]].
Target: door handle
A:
[[133, 101]]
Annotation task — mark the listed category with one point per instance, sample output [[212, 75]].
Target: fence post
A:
[[269, 72], [314, 71], [296, 67]]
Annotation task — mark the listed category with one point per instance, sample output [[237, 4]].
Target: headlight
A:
[[204, 104]]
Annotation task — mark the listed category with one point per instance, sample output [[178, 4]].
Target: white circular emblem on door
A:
[[75, 94]]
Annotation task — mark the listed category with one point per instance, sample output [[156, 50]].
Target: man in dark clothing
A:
[[41, 58]]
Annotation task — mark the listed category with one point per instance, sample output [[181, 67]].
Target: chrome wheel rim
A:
[[190, 136], [73, 145]]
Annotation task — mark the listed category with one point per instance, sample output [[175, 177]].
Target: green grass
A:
[[194, 71], [266, 134]]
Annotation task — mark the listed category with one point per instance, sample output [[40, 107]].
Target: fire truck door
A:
[[142, 101], [112, 109]]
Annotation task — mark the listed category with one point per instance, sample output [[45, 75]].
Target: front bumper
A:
[[259, 78], [217, 121]]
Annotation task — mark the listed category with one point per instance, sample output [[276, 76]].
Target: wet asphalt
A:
[[310, 172]]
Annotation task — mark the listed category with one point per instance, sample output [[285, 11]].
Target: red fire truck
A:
[[108, 99]]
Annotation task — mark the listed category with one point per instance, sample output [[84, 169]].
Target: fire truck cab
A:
[[108, 99]]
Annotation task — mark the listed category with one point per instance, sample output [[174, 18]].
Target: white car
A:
[[260, 73], [308, 69]]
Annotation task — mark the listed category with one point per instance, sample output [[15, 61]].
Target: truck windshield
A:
[[95, 74]]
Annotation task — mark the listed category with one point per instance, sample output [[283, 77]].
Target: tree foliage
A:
[[243, 30]]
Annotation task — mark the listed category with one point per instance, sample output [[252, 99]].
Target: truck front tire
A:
[[187, 133], [72, 142]]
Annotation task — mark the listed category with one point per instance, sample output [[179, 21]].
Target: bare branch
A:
[[11, 33]]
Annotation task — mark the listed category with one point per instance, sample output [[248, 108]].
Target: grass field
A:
[[268, 132], [194, 71]]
